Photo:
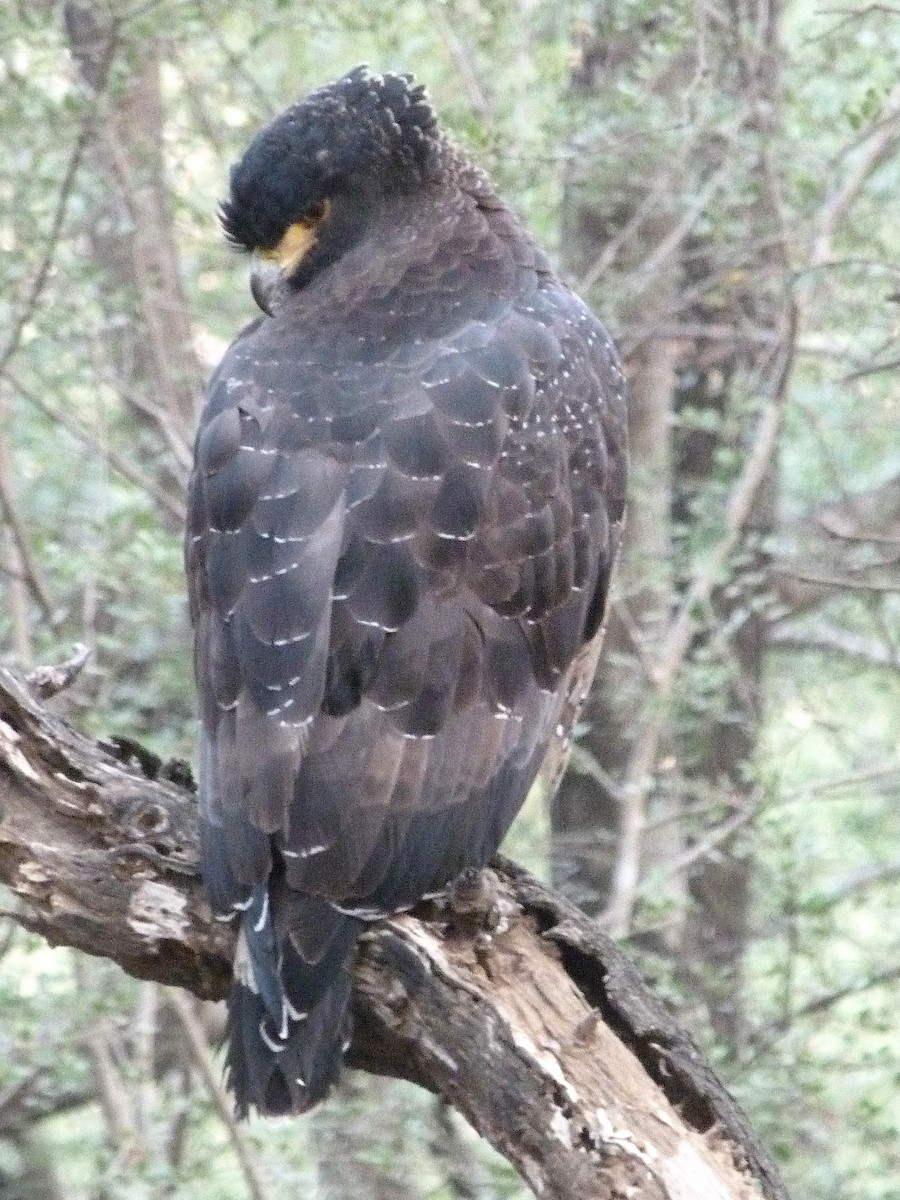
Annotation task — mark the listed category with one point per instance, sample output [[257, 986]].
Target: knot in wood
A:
[[147, 820], [472, 901]]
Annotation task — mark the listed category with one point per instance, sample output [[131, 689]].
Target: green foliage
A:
[[819, 1069]]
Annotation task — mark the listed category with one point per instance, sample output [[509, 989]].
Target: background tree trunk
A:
[[132, 242], [689, 415]]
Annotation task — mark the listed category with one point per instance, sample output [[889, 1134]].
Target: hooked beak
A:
[[264, 277], [272, 263]]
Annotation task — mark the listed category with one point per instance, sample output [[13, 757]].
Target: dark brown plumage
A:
[[405, 510]]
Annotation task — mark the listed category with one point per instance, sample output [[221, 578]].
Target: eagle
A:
[[404, 512]]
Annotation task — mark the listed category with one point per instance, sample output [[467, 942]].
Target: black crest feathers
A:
[[363, 132]]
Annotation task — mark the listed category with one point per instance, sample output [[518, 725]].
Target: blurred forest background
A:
[[721, 179]]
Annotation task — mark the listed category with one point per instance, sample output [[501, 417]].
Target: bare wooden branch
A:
[[47, 681], [504, 999]]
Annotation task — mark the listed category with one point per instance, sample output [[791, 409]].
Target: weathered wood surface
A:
[[503, 998]]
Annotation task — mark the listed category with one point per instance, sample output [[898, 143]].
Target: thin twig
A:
[[892, 364], [857, 15], [33, 293], [877, 146], [237, 61], [610, 249], [767, 1037], [676, 643], [858, 881], [209, 1072], [26, 566], [812, 346], [821, 1003], [842, 582], [169, 503], [463, 1171], [114, 1098], [700, 850], [839, 641], [144, 1031], [479, 101], [840, 783], [660, 255]]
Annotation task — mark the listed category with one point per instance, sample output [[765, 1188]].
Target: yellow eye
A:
[[298, 238]]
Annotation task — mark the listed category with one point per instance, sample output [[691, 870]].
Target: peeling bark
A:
[[502, 997]]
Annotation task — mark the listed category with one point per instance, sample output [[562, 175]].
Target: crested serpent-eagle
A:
[[404, 513]]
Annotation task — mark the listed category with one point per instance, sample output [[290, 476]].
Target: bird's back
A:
[[402, 524]]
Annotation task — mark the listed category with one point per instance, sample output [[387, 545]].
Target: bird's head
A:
[[312, 180]]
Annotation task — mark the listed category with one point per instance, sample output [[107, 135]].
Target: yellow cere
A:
[[295, 242]]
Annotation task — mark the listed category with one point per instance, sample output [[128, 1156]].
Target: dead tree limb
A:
[[502, 998]]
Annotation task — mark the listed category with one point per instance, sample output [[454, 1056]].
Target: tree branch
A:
[[170, 502], [34, 289], [30, 575], [839, 641], [502, 998], [879, 143]]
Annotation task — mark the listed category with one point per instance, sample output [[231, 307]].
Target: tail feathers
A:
[[278, 1076], [289, 1011]]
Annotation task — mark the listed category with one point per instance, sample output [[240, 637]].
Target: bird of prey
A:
[[403, 516]]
